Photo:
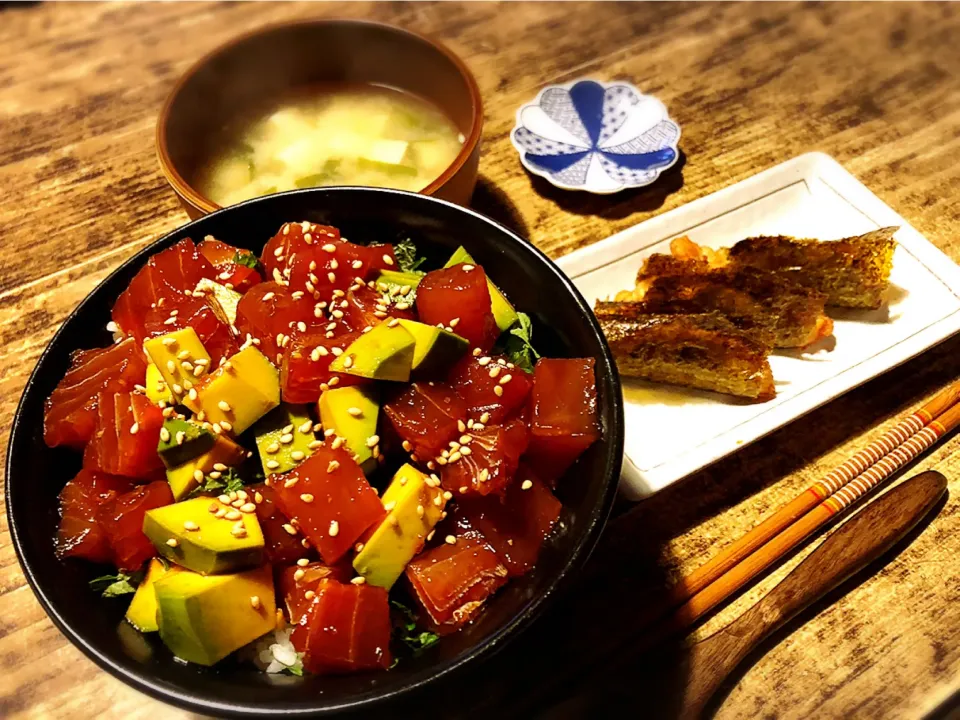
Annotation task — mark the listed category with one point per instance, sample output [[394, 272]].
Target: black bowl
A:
[[563, 327]]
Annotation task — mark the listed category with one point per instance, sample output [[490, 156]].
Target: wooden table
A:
[[876, 86]]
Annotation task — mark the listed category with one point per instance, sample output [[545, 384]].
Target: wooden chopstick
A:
[[740, 573], [836, 481]]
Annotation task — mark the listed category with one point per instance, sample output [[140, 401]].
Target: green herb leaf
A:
[[407, 633], [421, 641], [247, 259], [116, 585], [517, 344], [228, 481], [297, 668], [406, 254]]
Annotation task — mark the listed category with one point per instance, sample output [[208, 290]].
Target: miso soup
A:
[[343, 135]]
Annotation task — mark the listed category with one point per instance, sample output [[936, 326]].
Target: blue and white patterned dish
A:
[[594, 136]]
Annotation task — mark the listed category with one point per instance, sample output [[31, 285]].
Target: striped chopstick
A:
[[743, 572], [854, 478]]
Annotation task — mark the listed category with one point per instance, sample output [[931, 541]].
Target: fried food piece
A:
[[852, 272], [785, 313], [703, 351]]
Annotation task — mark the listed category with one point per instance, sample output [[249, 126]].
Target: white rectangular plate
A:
[[672, 432]]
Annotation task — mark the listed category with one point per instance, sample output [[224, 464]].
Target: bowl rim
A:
[[143, 681], [193, 196]]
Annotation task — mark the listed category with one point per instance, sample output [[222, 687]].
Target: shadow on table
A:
[[617, 205], [655, 680], [874, 568], [493, 202]]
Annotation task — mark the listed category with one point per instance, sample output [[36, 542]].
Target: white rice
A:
[[274, 653]]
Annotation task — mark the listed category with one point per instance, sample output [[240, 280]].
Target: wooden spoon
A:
[[858, 542]]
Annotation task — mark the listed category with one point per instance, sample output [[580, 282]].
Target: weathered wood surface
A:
[[875, 85]]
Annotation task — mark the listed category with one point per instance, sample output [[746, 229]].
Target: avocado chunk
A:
[[503, 312], [202, 619], [399, 279], [414, 505], [284, 437], [142, 612], [157, 389], [239, 392], [207, 541], [223, 296], [352, 414], [180, 357], [384, 353], [184, 479], [181, 441], [436, 349]]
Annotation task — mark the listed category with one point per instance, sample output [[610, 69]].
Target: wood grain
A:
[[862, 540], [875, 85]]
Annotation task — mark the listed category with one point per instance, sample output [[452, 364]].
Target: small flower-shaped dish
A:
[[594, 136]]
